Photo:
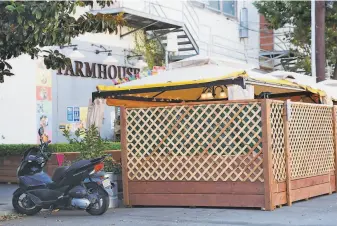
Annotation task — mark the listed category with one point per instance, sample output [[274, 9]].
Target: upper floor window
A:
[[214, 4], [225, 6]]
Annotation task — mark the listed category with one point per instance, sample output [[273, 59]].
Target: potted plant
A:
[[113, 169]]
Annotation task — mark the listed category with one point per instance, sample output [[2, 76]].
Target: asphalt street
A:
[[317, 211]]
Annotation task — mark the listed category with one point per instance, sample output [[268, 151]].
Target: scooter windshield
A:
[[30, 151]]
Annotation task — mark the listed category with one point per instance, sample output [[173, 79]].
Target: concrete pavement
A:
[[315, 212], [318, 211], [6, 192]]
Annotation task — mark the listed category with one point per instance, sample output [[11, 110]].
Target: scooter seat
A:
[[59, 173]]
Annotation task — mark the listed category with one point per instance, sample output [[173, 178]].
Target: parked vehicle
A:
[[73, 187]]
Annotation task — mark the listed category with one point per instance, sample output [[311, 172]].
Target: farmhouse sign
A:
[[95, 70]]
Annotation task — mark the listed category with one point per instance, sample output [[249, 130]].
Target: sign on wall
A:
[[76, 114], [76, 118], [97, 71], [70, 114], [43, 99]]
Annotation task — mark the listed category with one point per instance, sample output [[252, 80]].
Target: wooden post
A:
[[334, 120], [124, 156], [267, 155], [286, 118]]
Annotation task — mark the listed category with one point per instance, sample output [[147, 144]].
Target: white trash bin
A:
[[113, 191]]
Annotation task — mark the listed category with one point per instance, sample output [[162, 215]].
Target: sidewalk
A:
[[6, 192]]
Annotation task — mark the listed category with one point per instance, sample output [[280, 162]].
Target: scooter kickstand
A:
[[50, 211], [53, 210]]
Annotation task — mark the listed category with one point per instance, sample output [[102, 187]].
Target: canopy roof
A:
[[187, 80], [330, 87]]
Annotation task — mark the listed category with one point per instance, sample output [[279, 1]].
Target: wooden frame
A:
[[334, 119], [159, 170], [286, 118], [124, 157], [267, 166]]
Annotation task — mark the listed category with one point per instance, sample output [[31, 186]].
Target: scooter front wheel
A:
[[23, 205]]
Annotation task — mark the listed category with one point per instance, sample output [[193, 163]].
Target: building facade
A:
[[58, 99]]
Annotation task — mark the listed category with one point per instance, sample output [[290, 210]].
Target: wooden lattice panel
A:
[[278, 151], [211, 142], [311, 140]]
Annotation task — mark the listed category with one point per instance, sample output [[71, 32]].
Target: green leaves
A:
[[55, 59], [38, 15], [28, 24], [5, 70], [10, 8], [90, 143], [151, 49], [19, 149], [297, 14]]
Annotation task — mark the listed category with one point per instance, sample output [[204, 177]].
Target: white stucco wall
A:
[[217, 34], [17, 103], [18, 117]]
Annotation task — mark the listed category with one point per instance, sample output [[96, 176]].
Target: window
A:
[[229, 8], [214, 4], [225, 6]]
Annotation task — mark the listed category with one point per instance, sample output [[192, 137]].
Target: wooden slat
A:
[[10, 160], [305, 188], [124, 156], [287, 150], [219, 200], [332, 183], [280, 198], [8, 172], [302, 193], [180, 187], [8, 179], [334, 120], [312, 191], [267, 155], [302, 183]]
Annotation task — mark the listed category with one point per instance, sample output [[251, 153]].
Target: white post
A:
[[313, 39], [166, 59]]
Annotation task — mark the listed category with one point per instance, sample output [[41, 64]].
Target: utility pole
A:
[[320, 40]]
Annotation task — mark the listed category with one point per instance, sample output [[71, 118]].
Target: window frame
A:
[[220, 11]]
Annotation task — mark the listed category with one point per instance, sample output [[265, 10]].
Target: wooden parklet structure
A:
[[240, 153]]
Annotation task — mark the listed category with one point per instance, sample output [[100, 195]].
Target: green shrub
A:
[[89, 142], [111, 166], [19, 149]]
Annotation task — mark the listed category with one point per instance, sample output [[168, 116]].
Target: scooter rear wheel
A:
[[102, 204], [27, 206]]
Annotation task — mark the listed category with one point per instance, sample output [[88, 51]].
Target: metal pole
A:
[[320, 40], [166, 59], [313, 39]]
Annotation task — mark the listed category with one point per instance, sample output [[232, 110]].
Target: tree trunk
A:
[[334, 76]]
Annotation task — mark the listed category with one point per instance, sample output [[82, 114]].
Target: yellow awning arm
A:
[[170, 84]]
